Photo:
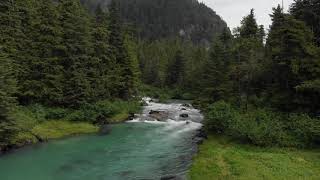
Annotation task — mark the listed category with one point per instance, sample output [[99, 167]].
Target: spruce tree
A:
[[7, 100], [176, 70], [214, 78], [123, 72], [76, 52], [249, 27], [41, 80], [248, 53], [101, 60], [309, 12], [293, 61]]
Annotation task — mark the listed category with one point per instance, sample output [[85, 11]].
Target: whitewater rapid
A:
[[174, 124]]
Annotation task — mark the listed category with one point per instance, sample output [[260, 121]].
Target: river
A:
[[140, 149]]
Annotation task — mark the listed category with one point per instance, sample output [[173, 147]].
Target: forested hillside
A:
[[158, 19], [56, 59]]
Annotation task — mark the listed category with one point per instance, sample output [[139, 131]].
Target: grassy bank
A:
[[54, 129], [221, 158], [36, 122]]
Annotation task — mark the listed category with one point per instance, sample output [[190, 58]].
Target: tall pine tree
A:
[[7, 99], [123, 72], [294, 61], [76, 52]]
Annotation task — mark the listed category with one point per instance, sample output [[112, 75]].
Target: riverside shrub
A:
[[263, 127]]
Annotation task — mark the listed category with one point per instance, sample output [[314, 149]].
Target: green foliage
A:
[[249, 28], [7, 99], [309, 12], [175, 71], [262, 127], [219, 117], [162, 94], [123, 56], [105, 112], [294, 61]]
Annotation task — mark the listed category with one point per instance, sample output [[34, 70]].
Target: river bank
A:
[[37, 123], [220, 157]]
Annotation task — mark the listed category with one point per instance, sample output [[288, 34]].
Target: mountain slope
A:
[[156, 19]]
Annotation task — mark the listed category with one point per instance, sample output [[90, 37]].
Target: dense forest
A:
[[256, 86], [57, 55]]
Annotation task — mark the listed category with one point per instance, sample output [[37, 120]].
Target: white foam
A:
[[175, 125]]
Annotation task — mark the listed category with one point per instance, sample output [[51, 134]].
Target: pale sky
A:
[[232, 11]]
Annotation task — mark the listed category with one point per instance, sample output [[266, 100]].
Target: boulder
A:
[[184, 115], [131, 116], [202, 134], [159, 115], [186, 105], [183, 109], [144, 103], [198, 140]]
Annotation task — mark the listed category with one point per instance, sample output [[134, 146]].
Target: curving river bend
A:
[[141, 149]]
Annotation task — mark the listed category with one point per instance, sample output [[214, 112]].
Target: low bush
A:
[[105, 111], [159, 93], [263, 127]]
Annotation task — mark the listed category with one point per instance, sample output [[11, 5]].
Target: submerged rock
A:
[[171, 177], [105, 129], [159, 115]]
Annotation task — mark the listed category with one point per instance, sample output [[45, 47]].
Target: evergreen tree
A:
[[102, 64], [41, 80], [123, 72], [309, 12], [77, 48], [249, 27], [293, 61], [7, 99], [248, 53], [10, 30], [28, 58], [215, 75], [176, 70], [261, 34]]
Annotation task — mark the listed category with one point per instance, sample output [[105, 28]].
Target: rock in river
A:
[[184, 115], [105, 129], [187, 105], [159, 115]]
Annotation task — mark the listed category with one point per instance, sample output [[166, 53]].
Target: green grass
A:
[[59, 129], [52, 130], [221, 158], [119, 117]]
